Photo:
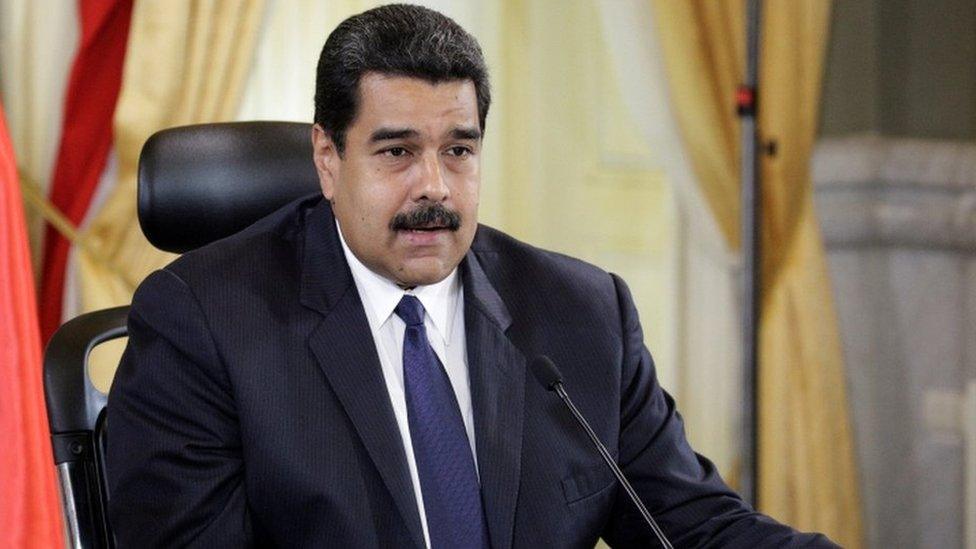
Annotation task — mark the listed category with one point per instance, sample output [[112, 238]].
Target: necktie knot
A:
[[410, 310]]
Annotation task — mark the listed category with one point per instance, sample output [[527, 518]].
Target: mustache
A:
[[432, 214]]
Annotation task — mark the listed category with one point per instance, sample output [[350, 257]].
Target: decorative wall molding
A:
[[892, 192], [899, 224], [874, 159]]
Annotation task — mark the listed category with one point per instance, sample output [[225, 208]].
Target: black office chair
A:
[[197, 184]]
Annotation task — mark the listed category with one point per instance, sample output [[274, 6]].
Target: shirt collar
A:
[[381, 295]]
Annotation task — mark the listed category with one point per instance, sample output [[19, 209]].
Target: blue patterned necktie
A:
[[448, 480]]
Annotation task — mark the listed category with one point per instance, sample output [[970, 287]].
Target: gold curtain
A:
[[186, 63], [808, 476], [704, 50]]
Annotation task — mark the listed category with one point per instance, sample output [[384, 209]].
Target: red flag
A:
[[86, 136], [30, 513]]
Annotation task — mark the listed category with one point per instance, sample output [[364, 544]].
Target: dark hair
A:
[[396, 39]]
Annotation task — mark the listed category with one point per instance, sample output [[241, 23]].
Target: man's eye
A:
[[459, 151], [396, 151]]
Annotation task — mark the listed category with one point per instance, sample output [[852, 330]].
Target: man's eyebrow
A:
[[473, 134], [387, 134]]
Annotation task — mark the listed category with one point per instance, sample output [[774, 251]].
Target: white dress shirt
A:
[[444, 322]]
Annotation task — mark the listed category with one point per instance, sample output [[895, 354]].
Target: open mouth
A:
[[424, 236]]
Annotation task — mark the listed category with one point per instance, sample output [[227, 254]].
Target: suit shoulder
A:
[[512, 262], [268, 245]]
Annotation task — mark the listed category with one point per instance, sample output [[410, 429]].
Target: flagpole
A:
[[746, 99]]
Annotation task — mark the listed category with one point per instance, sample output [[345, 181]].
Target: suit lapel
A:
[[497, 373], [344, 347]]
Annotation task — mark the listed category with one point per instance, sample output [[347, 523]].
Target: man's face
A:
[[405, 191]]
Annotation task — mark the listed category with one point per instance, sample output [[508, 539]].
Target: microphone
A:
[[550, 378]]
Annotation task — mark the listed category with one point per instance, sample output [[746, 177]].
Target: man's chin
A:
[[423, 272]]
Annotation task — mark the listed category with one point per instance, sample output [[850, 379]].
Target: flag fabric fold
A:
[[29, 508]]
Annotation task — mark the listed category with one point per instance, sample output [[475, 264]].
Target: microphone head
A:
[[546, 372]]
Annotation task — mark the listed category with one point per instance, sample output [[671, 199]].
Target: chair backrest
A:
[[201, 183], [197, 184]]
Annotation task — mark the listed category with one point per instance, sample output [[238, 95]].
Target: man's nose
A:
[[431, 185]]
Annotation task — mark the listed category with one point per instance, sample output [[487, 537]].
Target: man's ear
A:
[[327, 161]]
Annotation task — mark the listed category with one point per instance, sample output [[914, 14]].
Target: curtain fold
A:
[[807, 470], [704, 52], [806, 454], [186, 63]]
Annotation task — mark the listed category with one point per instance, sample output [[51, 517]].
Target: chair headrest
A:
[[200, 183]]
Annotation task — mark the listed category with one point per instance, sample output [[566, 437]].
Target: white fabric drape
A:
[[282, 80], [708, 365], [38, 40]]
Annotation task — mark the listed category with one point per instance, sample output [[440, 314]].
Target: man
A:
[[352, 372]]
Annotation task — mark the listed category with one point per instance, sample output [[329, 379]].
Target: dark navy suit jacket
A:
[[250, 408]]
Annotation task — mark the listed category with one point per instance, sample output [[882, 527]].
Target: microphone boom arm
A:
[[561, 391]]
